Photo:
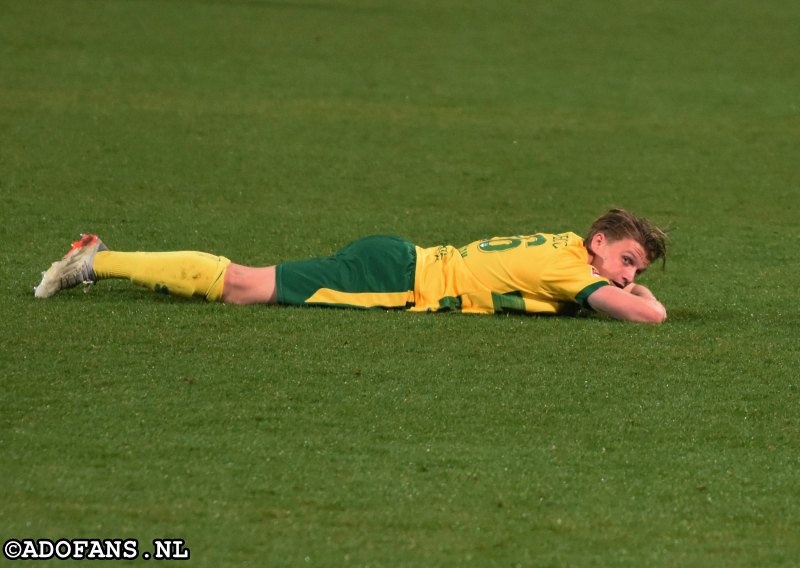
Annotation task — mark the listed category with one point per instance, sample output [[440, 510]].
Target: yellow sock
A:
[[185, 273]]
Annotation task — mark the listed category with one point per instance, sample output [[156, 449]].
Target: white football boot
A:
[[75, 268]]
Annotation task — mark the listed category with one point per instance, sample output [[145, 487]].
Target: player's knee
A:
[[247, 285], [234, 285]]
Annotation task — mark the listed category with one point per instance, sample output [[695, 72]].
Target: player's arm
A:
[[632, 303]]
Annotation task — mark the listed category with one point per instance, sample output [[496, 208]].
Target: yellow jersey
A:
[[541, 273]]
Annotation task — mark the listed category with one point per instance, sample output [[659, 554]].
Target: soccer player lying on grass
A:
[[540, 273]]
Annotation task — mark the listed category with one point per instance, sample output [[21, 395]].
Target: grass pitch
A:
[[269, 131]]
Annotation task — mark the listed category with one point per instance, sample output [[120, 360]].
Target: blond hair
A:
[[617, 224]]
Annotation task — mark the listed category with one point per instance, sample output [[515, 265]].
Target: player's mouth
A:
[[617, 284]]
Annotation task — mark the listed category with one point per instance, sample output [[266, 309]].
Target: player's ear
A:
[[598, 240]]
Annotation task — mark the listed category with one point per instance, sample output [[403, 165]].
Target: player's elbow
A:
[[655, 313]]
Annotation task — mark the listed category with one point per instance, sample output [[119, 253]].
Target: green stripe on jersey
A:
[[583, 296], [508, 302]]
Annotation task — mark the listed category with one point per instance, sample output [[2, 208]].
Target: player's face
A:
[[620, 261]]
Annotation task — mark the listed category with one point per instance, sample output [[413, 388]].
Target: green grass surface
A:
[[269, 131]]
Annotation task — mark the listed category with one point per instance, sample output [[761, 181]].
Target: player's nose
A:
[[629, 276]]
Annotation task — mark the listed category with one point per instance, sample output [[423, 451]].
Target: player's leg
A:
[[182, 273], [371, 272], [186, 273]]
